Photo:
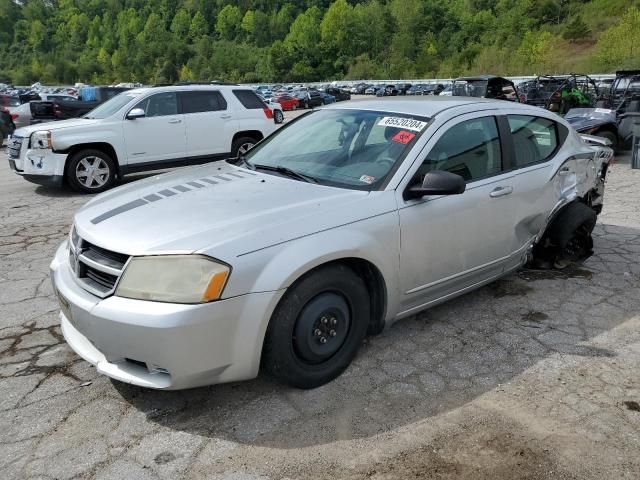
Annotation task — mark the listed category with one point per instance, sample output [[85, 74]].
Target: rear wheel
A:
[[242, 145], [317, 328], [90, 171]]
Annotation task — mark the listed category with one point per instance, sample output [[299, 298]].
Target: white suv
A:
[[141, 129]]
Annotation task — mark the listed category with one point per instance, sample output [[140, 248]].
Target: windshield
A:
[[110, 107], [344, 148], [471, 88], [13, 102]]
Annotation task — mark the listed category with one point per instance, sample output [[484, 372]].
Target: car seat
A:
[[526, 147]]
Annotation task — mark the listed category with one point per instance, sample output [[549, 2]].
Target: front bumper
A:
[[43, 167], [163, 345]]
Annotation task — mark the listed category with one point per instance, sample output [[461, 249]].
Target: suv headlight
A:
[[174, 279], [40, 140]]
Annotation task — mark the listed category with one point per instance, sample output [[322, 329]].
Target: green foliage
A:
[[576, 29], [107, 41]]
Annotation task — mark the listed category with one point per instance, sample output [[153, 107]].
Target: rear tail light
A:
[[14, 116], [267, 111]]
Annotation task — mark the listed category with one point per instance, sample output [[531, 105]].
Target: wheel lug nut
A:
[[324, 320], [332, 333], [317, 332], [334, 321], [323, 339]]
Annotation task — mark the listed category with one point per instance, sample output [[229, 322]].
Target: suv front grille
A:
[[14, 146], [97, 269]]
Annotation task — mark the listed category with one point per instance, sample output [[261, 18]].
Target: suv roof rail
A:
[[209, 82]]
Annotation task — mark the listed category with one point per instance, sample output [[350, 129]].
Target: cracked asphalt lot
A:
[[533, 377]]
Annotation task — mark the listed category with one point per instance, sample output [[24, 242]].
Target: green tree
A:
[[229, 22], [576, 29], [619, 46], [198, 27]]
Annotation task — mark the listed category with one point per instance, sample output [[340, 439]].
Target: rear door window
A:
[[535, 139], [199, 102], [249, 99]]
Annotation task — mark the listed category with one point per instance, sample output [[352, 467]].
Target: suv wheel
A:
[[90, 171], [242, 145], [278, 116], [317, 328]]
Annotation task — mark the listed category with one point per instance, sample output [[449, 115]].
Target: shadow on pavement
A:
[[431, 363]]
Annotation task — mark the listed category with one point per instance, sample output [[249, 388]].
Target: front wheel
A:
[[317, 328], [90, 171], [241, 146], [609, 135], [278, 116]]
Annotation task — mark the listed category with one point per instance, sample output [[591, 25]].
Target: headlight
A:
[[41, 140], [173, 278]]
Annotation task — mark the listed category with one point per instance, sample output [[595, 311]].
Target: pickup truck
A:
[[90, 98]]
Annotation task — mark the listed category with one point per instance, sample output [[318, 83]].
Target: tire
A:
[[609, 135], [278, 116], [101, 178], [242, 145], [330, 303], [568, 239]]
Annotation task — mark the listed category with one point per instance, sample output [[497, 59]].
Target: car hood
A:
[[583, 119], [54, 126], [216, 207]]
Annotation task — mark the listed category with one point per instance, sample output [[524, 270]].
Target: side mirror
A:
[[437, 182], [135, 113]]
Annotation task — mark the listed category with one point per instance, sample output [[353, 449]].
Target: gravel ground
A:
[[532, 377]]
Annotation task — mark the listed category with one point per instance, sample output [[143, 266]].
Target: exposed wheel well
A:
[[375, 284], [102, 146], [256, 134]]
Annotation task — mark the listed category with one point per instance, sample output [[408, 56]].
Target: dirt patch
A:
[[509, 288], [534, 316], [632, 405]]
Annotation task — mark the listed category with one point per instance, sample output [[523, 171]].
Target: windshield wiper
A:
[[243, 159], [285, 171]]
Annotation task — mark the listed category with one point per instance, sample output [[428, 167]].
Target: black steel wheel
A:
[[317, 328]]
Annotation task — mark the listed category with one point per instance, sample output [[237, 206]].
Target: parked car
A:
[[327, 99], [9, 101], [7, 127], [402, 88], [57, 109], [21, 115], [288, 258], [372, 90], [339, 94], [287, 101], [276, 109], [142, 129], [309, 98], [485, 86]]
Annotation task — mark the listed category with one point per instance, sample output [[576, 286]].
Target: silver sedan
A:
[[347, 219]]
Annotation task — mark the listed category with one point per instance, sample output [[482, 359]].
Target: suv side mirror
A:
[[135, 113], [437, 182]]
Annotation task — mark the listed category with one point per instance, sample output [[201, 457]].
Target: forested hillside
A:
[[157, 41]]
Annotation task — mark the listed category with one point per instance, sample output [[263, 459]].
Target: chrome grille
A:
[[14, 146], [97, 269]]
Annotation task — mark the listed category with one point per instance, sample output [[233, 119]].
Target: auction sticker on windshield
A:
[[408, 123]]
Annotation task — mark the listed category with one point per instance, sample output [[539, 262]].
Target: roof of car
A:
[[422, 105], [182, 88]]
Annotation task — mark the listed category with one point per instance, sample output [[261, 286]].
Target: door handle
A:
[[500, 191], [225, 116], [175, 121], [563, 172]]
